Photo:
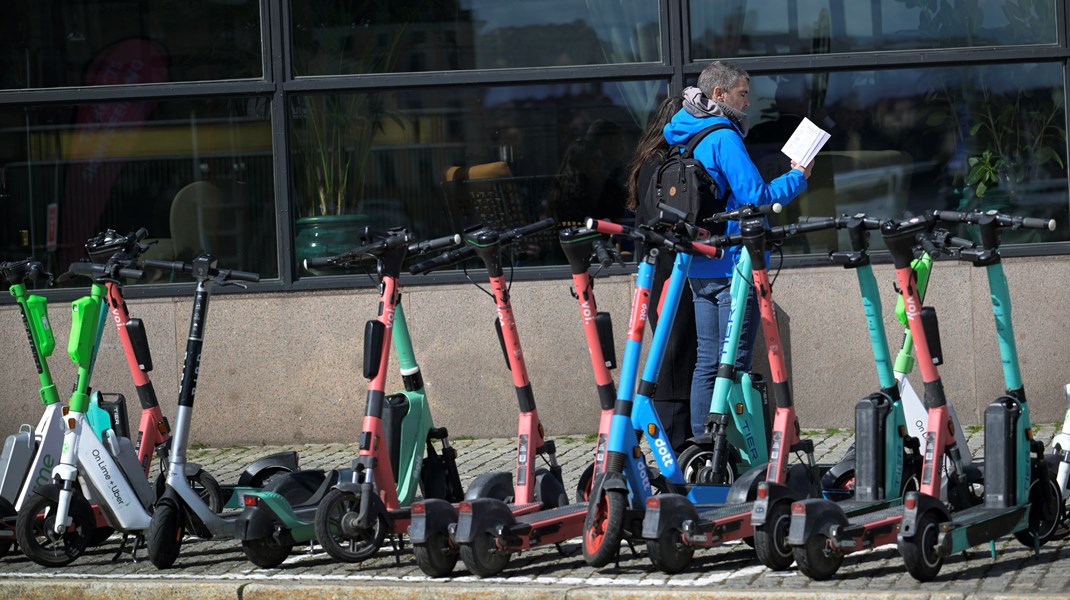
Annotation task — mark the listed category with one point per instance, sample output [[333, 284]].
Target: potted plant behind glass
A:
[[332, 134]]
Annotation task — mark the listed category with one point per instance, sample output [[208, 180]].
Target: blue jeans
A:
[[713, 303]]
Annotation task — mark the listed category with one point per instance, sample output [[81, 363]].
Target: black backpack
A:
[[683, 183]]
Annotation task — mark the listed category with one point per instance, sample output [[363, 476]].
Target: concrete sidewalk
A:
[[219, 569]]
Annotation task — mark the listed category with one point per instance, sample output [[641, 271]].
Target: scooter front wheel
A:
[[583, 488], [669, 553], [336, 530], [483, 558], [696, 465], [771, 539], [816, 559], [266, 552], [920, 554], [603, 528], [35, 534], [164, 539], [435, 557]]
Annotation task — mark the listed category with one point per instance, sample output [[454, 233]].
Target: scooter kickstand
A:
[[122, 548], [139, 540], [395, 542]]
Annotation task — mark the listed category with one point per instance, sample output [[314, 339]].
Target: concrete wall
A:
[[285, 368]]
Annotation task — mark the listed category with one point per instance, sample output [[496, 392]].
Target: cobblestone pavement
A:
[[1014, 572]]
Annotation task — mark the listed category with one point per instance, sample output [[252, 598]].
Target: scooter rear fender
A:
[[436, 517], [665, 512], [256, 473], [483, 515], [923, 503], [812, 516], [774, 492], [745, 487]]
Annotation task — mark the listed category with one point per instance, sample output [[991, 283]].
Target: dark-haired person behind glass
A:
[[672, 399]]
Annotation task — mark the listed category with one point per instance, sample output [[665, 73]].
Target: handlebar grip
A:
[[84, 268], [1035, 223], [131, 273], [242, 276], [817, 224], [318, 261], [168, 265], [710, 251], [604, 257], [524, 230], [442, 260], [606, 227], [435, 244]]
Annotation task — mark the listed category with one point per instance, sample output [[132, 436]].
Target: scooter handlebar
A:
[[524, 230], [605, 258], [184, 267], [443, 260], [606, 227], [24, 270], [443, 242], [845, 220], [743, 212], [94, 270], [1001, 219]]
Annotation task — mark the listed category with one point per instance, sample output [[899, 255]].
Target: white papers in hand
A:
[[805, 143]]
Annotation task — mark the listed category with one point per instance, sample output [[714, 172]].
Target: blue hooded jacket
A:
[[727, 161]]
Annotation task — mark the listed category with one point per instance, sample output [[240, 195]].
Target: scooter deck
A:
[[858, 524], [990, 518], [728, 510], [553, 514]]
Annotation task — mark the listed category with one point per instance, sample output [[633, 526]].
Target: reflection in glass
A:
[[963, 138], [735, 28], [436, 161], [197, 174], [114, 42], [408, 36]]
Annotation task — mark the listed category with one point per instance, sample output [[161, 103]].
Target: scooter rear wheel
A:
[[669, 553], [771, 539], [816, 560], [33, 530], [920, 554], [339, 540], [483, 558], [164, 539], [603, 528], [266, 552], [1044, 519], [435, 557]]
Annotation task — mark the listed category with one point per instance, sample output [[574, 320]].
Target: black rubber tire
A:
[[482, 557], [669, 553], [583, 488], [335, 505], [603, 528], [164, 538], [266, 552], [815, 559], [920, 554], [41, 544], [208, 489], [435, 557], [771, 540], [693, 463], [1045, 522]]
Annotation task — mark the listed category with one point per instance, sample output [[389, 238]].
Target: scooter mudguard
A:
[[259, 522], [257, 473], [436, 516], [605, 482], [812, 516], [923, 503], [371, 505], [665, 512], [549, 491], [78, 501], [774, 492], [491, 485], [745, 487], [479, 516]]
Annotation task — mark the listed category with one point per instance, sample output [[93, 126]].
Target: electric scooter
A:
[[1059, 462], [397, 452], [1021, 496], [438, 527], [180, 504], [493, 517], [30, 454], [887, 463], [673, 526], [618, 499]]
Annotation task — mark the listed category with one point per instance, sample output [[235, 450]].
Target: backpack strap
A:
[[689, 149]]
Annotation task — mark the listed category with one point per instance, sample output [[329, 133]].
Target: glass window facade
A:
[[438, 115]]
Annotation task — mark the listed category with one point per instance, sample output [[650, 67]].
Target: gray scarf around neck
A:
[[698, 105]]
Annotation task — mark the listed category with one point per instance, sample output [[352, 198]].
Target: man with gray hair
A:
[[722, 96]]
